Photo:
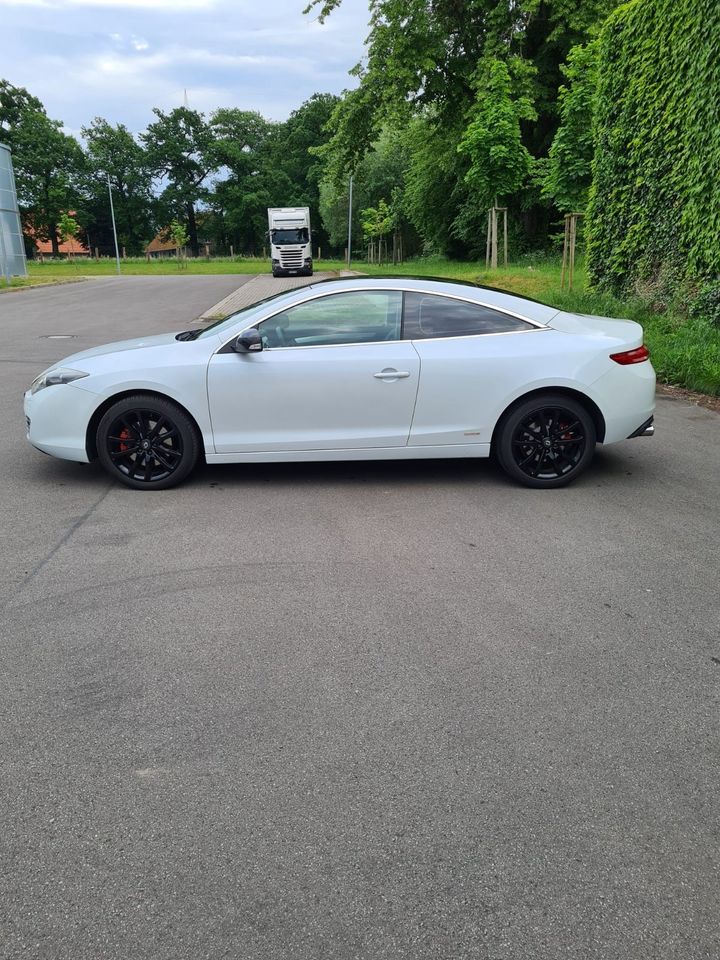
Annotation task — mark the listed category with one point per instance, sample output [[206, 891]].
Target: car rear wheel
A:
[[147, 442], [546, 441]]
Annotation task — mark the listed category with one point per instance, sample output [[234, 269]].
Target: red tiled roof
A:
[[64, 246], [160, 242]]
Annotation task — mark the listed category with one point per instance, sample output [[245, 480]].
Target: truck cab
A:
[[290, 241]]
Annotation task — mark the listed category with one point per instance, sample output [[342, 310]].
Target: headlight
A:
[[52, 377]]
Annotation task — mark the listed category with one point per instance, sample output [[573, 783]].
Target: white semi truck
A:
[[290, 241]]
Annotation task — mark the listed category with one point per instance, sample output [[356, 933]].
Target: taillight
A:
[[631, 356]]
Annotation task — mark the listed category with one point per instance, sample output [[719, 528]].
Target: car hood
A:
[[120, 345]]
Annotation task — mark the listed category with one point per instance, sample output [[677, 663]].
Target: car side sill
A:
[[450, 450]]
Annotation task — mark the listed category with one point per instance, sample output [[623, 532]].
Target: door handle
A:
[[392, 375]]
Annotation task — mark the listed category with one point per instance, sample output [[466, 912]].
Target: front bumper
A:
[[57, 419]]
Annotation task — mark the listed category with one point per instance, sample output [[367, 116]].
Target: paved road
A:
[[260, 287], [378, 711]]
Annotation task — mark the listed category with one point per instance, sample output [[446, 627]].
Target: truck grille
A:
[[291, 259]]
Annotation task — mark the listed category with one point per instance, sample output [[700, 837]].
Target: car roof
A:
[[489, 296]]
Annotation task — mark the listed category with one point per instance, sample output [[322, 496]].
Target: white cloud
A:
[[149, 5], [120, 58]]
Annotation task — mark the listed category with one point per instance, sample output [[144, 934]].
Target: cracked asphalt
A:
[[384, 711]]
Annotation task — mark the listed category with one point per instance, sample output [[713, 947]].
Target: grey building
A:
[[12, 247]]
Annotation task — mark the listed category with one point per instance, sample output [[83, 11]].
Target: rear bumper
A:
[[626, 397]]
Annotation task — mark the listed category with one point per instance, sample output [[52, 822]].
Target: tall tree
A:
[[179, 148], [113, 152], [48, 166], [294, 150], [15, 103], [239, 200], [423, 55], [379, 175], [567, 173], [499, 162]]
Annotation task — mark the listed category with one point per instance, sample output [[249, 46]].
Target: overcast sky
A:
[[120, 58]]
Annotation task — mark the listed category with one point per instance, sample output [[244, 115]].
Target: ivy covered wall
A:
[[654, 210]]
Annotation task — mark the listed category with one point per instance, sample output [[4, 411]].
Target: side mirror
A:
[[249, 341]]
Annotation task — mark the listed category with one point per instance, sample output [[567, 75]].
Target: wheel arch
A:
[[99, 413], [589, 404]]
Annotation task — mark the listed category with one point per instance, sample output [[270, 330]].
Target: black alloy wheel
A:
[[148, 443], [546, 441]]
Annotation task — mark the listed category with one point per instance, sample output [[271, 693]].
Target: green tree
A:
[[113, 152], [379, 174], [499, 162], [67, 228], [180, 238], [15, 103], [48, 165], [238, 202], [376, 224], [180, 150], [424, 53], [567, 174], [435, 188]]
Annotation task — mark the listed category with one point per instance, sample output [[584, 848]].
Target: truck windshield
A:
[[290, 236]]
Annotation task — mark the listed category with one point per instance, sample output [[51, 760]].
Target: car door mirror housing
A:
[[249, 341]]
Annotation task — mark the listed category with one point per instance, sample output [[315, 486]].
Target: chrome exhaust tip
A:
[[644, 430]]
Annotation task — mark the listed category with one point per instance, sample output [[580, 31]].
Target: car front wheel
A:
[[147, 443], [546, 441]]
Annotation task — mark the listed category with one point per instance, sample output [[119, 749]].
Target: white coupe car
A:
[[358, 369]]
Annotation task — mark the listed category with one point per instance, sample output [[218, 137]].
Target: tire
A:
[[545, 441], [143, 423]]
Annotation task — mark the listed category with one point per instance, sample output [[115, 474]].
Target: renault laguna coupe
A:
[[356, 369]]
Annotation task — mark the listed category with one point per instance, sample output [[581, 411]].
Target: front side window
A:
[[360, 316], [428, 316]]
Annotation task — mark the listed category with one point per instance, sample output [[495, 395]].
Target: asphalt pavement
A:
[[379, 711]]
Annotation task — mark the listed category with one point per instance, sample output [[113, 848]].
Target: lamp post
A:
[[112, 214]]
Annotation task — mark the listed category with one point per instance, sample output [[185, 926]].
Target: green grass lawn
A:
[[684, 352]]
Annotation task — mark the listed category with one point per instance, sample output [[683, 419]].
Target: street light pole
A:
[[350, 224], [112, 214]]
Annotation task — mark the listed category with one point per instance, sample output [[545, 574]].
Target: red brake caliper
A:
[[124, 435]]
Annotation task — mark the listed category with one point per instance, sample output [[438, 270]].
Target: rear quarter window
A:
[[427, 316]]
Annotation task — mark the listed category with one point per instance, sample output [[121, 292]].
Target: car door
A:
[[472, 357], [333, 374]]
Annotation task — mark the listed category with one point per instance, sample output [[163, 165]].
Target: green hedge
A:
[[654, 210]]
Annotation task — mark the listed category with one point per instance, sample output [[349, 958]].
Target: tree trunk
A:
[[192, 230], [54, 242]]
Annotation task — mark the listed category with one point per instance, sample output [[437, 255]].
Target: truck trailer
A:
[[290, 241]]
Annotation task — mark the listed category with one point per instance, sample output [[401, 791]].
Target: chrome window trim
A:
[[317, 295]]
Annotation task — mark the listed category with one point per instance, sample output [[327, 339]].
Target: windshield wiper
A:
[[189, 334]]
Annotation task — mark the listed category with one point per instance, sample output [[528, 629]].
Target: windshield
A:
[[245, 314], [290, 236]]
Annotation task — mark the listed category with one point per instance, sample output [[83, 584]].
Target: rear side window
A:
[[427, 316]]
